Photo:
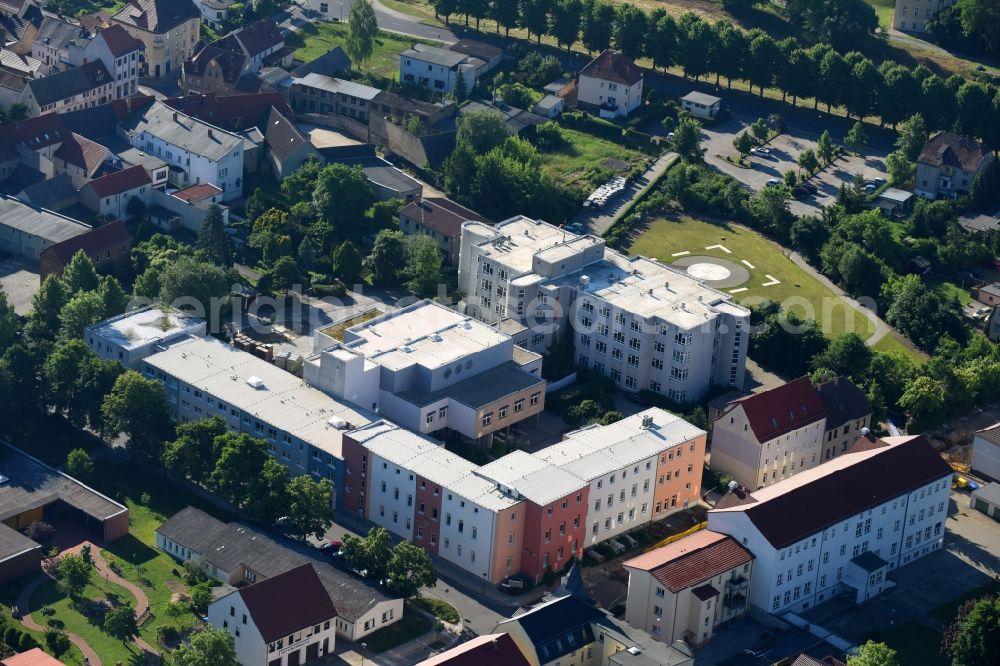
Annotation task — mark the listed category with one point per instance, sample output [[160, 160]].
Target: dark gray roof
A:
[[480, 390], [227, 545], [560, 627], [869, 561], [331, 63], [14, 543], [843, 402], [33, 484], [282, 137], [36, 221], [58, 34], [991, 434], [52, 193], [73, 81], [157, 15], [383, 174]]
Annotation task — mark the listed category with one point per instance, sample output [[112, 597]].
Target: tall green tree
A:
[[567, 16], [79, 464], [825, 148], [807, 160], [79, 274], [446, 8], [743, 143], [506, 14], [410, 569], [535, 17], [299, 185], [856, 139], [194, 451], [81, 311], [597, 27], [481, 131], [362, 30], [9, 326], [687, 139], [213, 239], [211, 647], [899, 168], [630, 30], [912, 137], [241, 459], [72, 575], [137, 407], [423, 265], [120, 622], [342, 197], [982, 18], [268, 499], [370, 555], [762, 60], [309, 507], [347, 262], [112, 295], [195, 285], [871, 653], [388, 257]]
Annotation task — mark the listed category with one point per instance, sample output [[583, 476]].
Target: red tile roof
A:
[[441, 215], [119, 41], [692, 560], [491, 650], [33, 133], [82, 152], [783, 409], [230, 112], [92, 242], [288, 602], [811, 501], [33, 657], [613, 66], [197, 192], [945, 148], [120, 181]]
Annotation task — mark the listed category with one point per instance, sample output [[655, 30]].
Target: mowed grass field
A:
[[894, 342], [315, 39], [798, 292]]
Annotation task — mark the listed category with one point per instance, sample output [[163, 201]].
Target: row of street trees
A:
[[889, 91]]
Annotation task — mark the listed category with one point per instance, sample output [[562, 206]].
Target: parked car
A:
[[870, 188], [576, 228], [330, 548], [762, 152], [982, 314], [773, 182], [877, 182], [810, 188]]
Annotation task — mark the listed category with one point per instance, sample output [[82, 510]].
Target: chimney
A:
[[211, 135], [175, 116]]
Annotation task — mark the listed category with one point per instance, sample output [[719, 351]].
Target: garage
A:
[[986, 499]]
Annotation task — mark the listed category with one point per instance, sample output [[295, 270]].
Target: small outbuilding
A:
[[893, 201], [550, 106], [986, 499], [702, 105]]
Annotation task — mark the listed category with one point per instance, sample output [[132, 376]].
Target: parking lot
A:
[[785, 150], [19, 279]]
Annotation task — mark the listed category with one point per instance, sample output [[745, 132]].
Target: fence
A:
[[677, 537]]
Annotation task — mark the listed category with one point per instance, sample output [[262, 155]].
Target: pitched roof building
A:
[[168, 28], [488, 650], [611, 84], [441, 219], [72, 89], [948, 165], [107, 246], [891, 498]]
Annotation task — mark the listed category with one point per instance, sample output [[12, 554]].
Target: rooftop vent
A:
[[634, 650], [255, 382], [647, 421], [865, 431], [338, 423], [584, 281], [733, 485]]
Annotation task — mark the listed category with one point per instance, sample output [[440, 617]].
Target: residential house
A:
[[331, 63], [80, 158], [431, 369], [689, 588], [121, 54], [775, 434], [286, 148], [22, 65], [894, 202], [571, 630], [72, 89], [438, 69], [809, 549], [33, 657], [27, 231], [987, 294], [238, 554], [33, 491], [948, 165], [488, 650], [519, 121], [19, 23], [234, 63], [642, 323], [196, 151], [186, 207], [610, 85], [318, 93], [108, 247], [55, 40], [134, 335], [986, 452], [110, 195], [441, 219], [913, 15], [263, 44], [215, 12], [215, 70], [284, 620], [11, 88], [701, 105], [53, 194], [490, 55], [168, 28]]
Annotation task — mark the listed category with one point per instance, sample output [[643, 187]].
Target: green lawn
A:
[[315, 39], [442, 610], [915, 644], [110, 649], [413, 625], [896, 343], [581, 156], [798, 291], [883, 9], [8, 595]]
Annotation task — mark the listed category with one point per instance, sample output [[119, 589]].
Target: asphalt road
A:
[[389, 20]]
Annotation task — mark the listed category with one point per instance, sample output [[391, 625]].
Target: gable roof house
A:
[[80, 158], [948, 165], [239, 554], [441, 219], [611, 85], [107, 246], [289, 615], [27, 231], [236, 62], [19, 23], [438, 69], [214, 69], [54, 41], [488, 650], [110, 195], [169, 30], [12, 87], [331, 63], [72, 89]]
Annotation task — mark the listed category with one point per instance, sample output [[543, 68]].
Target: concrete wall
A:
[[986, 457]]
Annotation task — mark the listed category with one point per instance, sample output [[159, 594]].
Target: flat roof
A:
[[437, 56], [701, 98], [13, 543], [425, 333], [142, 327], [32, 484], [894, 194], [532, 477], [597, 450], [989, 492], [517, 240], [337, 86], [52, 227], [283, 401]]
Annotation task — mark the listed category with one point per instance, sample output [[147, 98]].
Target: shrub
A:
[[12, 637], [549, 137], [337, 290], [57, 642], [40, 531]]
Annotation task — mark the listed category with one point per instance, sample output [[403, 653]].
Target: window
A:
[[534, 398], [487, 418]]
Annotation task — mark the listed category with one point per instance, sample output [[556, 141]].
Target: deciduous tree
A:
[[120, 622], [410, 569], [309, 506], [211, 647], [79, 274], [72, 575], [361, 32], [137, 407], [213, 240], [193, 452]]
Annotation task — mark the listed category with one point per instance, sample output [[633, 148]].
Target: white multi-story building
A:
[[285, 620], [629, 486], [611, 85], [131, 337], [913, 15], [841, 526], [438, 69], [195, 151], [636, 320], [772, 435], [430, 368]]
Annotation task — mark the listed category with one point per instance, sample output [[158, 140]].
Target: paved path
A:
[[882, 329], [598, 222], [24, 603]]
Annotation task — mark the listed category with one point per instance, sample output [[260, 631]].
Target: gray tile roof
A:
[[73, 81], [58, 34], [183, 131], [39, 222], [157, 15], [227, 545], [331, 63]]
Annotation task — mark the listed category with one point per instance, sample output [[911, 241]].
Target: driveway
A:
[[19, 279], [785, 150], [598, 221]]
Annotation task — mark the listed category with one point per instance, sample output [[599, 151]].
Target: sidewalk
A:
[[24, 603]]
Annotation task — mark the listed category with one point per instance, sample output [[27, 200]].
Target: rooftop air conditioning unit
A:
[[647, 422], [584, 281], [338, 423], [255, 382]]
